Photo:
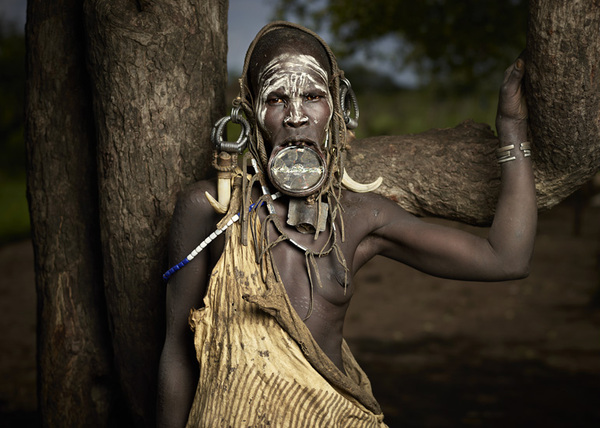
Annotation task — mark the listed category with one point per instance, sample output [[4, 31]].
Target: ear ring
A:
[[348, 103]]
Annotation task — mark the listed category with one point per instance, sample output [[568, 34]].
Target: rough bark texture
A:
[[75, 372], [449, 173], [158, 72], [102, 184], [563, 51], [453, 174]]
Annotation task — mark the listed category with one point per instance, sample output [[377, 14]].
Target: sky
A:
[[246, 18], [14, 11]]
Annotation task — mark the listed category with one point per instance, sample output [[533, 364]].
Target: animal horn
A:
[[218, 207], [357, 187], [224, 163]]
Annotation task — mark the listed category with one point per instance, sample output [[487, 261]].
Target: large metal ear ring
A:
[[348, 102], [226, 160], [218, 134]]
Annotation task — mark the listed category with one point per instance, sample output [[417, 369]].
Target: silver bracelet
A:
[[504, 154], [526, 148]]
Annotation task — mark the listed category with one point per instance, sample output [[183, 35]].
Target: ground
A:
[[439, 353]]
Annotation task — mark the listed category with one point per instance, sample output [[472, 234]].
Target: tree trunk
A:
[[76, 385], [102, 186], [452, 173], [159, 75], [563, 49]]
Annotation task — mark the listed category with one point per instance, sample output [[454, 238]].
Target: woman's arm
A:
[[178, 369], [513, 231], [452, 253]]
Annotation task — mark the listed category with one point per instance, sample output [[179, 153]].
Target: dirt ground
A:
[[439, 353]]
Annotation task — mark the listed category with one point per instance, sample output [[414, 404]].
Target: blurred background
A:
[[14, 218], [439, 353]]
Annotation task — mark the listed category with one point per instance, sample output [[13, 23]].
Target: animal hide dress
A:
[[259, 364]]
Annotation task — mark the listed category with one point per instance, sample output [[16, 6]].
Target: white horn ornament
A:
[[357, 187], [218, 207], [221, 205]]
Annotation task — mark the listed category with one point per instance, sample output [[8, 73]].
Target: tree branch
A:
[[452, 173]]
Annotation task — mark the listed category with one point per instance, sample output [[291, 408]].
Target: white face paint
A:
[[294, 78]]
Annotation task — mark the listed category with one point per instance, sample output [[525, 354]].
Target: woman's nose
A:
[[296, 116]]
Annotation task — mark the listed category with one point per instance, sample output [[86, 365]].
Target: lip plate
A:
[[300, 143]]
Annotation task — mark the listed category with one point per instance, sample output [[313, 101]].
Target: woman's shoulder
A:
[[192, 204], [373, 209]]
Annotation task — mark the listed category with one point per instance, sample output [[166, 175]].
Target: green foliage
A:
[[12, 95], [14, 215], [457, 45], [403, 111]]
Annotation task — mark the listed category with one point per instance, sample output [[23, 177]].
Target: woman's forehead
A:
[[293, 63]]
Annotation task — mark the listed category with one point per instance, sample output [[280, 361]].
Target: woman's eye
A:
[[313, 97], [275, 100]]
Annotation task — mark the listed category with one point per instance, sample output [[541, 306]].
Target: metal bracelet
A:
[[504, 153], [526, 148]]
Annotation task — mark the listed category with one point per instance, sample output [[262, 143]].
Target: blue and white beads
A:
[[208, 240], [200, 247]]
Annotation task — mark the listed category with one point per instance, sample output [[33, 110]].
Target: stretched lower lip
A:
[[299, 140]]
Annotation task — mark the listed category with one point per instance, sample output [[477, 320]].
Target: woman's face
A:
[[294, 102]]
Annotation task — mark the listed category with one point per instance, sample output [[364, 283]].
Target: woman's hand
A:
[[511, 116]]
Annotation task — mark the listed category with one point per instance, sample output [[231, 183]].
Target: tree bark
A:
[[450, 173], [453, 173], [563, 50], [102, 184], [159, 74], [76, 385]]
